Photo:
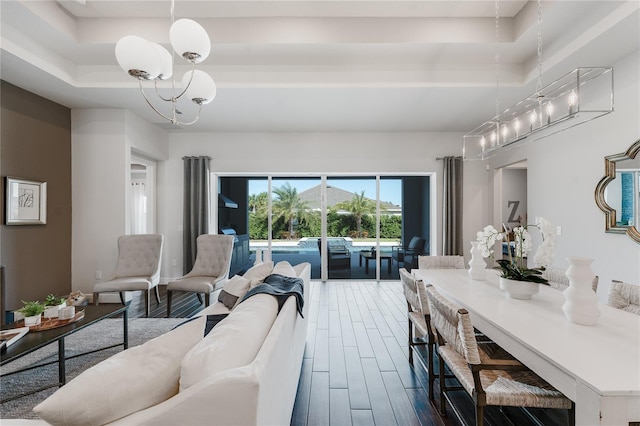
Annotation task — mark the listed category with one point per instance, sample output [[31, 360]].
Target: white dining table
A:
[[597, 367]]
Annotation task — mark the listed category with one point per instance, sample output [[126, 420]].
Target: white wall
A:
[[293, 153], [101, 144], [563, 171]]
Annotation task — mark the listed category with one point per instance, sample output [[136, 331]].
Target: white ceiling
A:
[[319, 65]]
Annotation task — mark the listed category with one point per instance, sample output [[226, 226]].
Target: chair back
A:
[[417, 244], [414, 292], [624, 296], [453, 325], [441, 262], [558, 279], [213, 256], [139, 256]]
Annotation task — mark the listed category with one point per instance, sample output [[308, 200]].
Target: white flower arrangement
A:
[[515, 267]]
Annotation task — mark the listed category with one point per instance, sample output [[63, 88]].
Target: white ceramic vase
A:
[[477, 265], [522, 290], [31, 321], [581, 302]]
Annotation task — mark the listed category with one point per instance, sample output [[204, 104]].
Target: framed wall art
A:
[[26, 202]]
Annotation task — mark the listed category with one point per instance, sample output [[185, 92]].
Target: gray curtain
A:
[[196, 206], [452, 204]]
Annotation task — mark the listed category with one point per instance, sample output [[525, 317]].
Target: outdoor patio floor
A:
[[357, 272]]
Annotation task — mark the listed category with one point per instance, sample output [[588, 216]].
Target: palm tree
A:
[[289, 206], [258, 203], [358, 206]]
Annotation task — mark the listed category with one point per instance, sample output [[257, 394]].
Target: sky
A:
[[390, 189]]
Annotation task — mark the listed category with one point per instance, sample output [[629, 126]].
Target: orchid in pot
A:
[[517, 279]]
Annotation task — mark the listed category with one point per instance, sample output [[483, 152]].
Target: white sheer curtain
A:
[[138, 208]]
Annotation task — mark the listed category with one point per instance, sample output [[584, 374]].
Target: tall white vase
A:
[[581, 305], [477, 265]]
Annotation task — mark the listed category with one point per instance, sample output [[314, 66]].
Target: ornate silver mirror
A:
[[618, 192]]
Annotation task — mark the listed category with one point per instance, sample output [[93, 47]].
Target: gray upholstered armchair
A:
[[137, 269], [211, 269]]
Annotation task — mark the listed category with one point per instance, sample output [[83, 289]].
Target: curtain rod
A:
[[196, 156], [442, 158]]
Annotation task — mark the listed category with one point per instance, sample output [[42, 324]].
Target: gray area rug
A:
[[103, 333]]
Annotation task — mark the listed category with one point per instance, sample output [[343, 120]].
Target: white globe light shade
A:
[[187, 36], [166, 63], [202, 89], [135, 53]]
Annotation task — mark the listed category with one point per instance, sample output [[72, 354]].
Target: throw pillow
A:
[[284, 268], [130, 381], [233, 290], [234, 342], [257, 273]]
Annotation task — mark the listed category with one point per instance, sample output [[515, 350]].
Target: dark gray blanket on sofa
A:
[[281, 287]]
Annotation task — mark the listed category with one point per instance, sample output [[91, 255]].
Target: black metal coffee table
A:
[[35, 340]]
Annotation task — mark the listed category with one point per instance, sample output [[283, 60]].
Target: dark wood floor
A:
[[355, 369]]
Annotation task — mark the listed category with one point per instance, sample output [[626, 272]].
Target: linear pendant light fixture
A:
[[575, 98], [147, 61]]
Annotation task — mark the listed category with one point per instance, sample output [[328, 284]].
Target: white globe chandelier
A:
[[148, 61]]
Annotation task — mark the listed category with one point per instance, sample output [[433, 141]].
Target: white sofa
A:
[[261, 392]]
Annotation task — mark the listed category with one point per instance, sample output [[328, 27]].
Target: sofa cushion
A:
[[233, 290], [257, 273], [105, 392], [284, 268], [234, 342]]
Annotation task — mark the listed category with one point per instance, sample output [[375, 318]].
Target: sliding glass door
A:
[[347, 227]]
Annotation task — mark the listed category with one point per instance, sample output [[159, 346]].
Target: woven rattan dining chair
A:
[[440, 262], [624, 296], [210, 270], [419, 322], [558, 279], [137, 268], [485, 371]]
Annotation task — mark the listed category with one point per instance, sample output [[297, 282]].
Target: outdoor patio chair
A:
[[338, 258], [408, 255]]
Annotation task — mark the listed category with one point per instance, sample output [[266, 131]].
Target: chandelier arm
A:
[[193, 68], [155, 84], [173, 120], [194, 120]]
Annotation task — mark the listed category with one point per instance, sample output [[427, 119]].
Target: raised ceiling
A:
[[319, 66]]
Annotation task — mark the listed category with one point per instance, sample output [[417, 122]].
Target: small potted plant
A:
[[53, 304], [32, 312]]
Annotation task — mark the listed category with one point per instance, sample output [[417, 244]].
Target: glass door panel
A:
[[351, 227], [296, 221]]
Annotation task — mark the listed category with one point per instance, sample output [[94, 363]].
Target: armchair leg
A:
[[121, 293], [147, 303], [207, 297], [157, 295], [199, 298], [96, 298], [169, 294]]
